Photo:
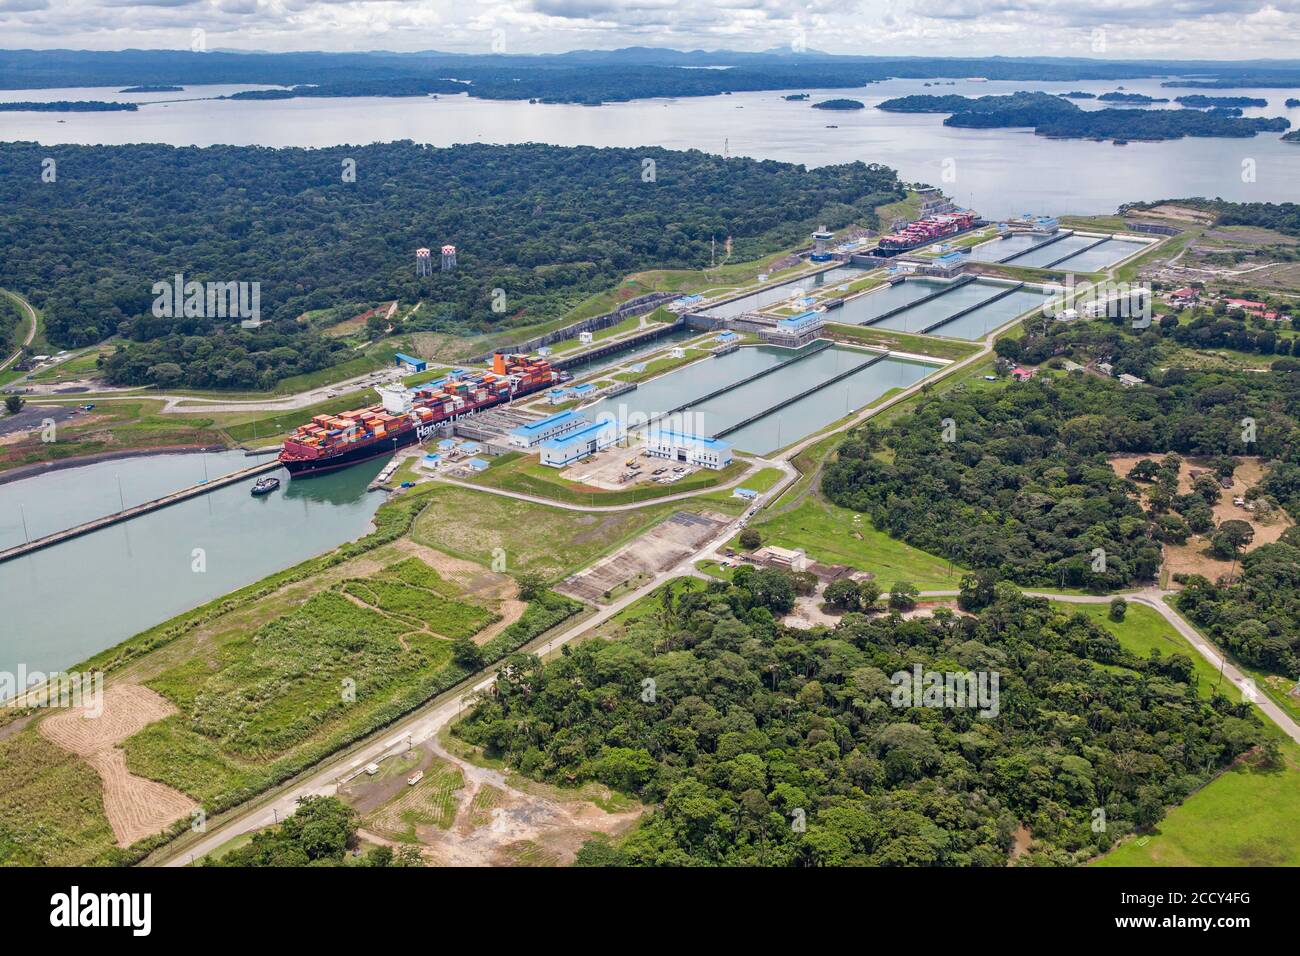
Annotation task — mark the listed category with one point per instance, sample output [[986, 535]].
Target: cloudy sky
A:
[[1219, 29]]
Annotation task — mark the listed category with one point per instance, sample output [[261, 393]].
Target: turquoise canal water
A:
[[1100, 257], [1041, 257], [70, 601], [790, 417], [996, 250], [922, 315], [779, 293]]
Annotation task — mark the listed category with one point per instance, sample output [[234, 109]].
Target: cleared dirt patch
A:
[[1193, 557], [656, 550], [135, 807]]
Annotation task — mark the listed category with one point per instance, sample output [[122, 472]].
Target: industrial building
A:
[[712, 453], [796, 331], [403, 360], [544, 429], [570, 447]]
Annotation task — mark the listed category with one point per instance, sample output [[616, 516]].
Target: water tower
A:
[[448, 258], [423, 262]]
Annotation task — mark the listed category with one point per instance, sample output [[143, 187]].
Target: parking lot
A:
[[617, 467]]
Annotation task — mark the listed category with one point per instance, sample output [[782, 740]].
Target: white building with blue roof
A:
[[544, 429], [712, 453], [575, 445]]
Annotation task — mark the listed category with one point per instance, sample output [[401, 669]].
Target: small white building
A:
[[1105, 368], [534, 433], [1128, 381], [795, 560], [712, 453], [677, 352], [585, 338]]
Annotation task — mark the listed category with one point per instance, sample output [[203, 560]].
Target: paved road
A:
[[429, 720], [31, 331], [1154, 598]]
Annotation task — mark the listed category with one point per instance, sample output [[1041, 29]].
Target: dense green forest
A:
[[65, 106], [840, 104], [764, 745], [1133, 99], [1051, 115], [1024, 488], [1198, 101], [13, 323], [1257, 618], [578, 76], [547, 225]]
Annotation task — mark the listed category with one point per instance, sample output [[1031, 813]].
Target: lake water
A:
[[1000, 173], [68, 602]]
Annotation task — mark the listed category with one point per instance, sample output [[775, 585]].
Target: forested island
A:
[[1132, 99], [65, 106], [313, 240], [1199, 101], [586, 76], [1051, 115], [1292, 103], [796, 97], [841, 104], [156, 88], [754, 726], [1079, 95]]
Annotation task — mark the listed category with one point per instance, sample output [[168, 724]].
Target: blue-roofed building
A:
[[712, 453], [477, 464], [553, 426], [471, 448], [410, 361], [749, 494], [728, 336], [558, 452], [558, 396], [431, 461], [446, 445]]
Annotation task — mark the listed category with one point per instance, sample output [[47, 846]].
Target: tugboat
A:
[[264, 486]]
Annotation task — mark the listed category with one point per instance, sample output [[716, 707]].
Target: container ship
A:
[[926, 230], [329, 442]]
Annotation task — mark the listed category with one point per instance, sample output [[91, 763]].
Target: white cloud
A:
[[1214, 29]]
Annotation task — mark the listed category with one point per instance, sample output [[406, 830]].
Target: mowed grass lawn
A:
[[830, 534], [1244, 817]]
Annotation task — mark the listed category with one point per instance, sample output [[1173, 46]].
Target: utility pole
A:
[[121, 501], [27, 538]]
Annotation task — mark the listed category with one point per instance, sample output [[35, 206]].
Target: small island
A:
[[65, 106], [840, 104], [1292, 103], [153, 89], [1198, 101], [261, 95], [1292, 137], [1050, 115], [1079, 95], [1133, 99], [797, 96]]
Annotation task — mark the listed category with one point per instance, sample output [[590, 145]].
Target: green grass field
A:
[[831, 535], [530, 537], [523, 474], [1244, 817]]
